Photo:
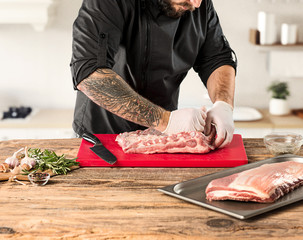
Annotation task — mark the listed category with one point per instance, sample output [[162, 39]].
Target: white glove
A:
[[186, 120], [221, 115]]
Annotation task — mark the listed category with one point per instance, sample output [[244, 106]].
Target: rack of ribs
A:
[[263, 184], [152, 141]]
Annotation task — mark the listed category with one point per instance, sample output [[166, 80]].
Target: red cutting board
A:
[[231, 156]]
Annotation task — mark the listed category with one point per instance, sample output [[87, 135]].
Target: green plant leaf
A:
[[49, 160], [279, 90]]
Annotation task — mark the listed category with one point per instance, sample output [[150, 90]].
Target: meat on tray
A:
[[263, 184], [152, 141]]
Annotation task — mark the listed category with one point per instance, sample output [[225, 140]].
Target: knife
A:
[[99, 148]]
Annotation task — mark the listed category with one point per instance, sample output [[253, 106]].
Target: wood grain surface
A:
[[123, 203]]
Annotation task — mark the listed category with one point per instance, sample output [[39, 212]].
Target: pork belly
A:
[[263, 184], [152, 141]]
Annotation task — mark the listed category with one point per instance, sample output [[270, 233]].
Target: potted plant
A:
[[278, 104]]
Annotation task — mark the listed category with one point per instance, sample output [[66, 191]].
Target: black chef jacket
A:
[[151, 51]]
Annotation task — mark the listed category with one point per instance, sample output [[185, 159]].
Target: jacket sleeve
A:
[[97, 32], [215, 51]]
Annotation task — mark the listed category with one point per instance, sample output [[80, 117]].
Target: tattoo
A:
[[110, 91]]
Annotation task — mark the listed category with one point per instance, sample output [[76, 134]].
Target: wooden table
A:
[[123, 203]]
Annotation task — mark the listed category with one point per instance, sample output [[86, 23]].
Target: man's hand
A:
[[185, 120], [221, 115], [221, 88]]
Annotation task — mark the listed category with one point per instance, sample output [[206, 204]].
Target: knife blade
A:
[[99, 148]]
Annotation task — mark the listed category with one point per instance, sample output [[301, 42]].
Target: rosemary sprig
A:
[[50, 160]]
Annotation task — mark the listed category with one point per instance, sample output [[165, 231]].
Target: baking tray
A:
[[194, 191]]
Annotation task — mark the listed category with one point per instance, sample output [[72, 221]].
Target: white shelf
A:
[[38, 13], [280, 47], [280, 1]]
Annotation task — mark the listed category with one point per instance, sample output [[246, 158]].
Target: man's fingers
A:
[[219, 139], [207, 127], [203, 108], [201, 118], [204, 115], [208, 123], [199, 128], [224, 143], [228, 139]]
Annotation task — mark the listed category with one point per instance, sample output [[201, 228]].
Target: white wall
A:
[[35, 70], [237, 17], [34, 65]]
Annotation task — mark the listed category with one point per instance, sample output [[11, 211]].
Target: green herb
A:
[[279, 90], [50, 160]]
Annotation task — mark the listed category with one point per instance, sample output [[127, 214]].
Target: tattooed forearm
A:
[[110, 91]]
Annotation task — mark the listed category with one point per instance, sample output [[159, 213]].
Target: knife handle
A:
[[91, 138]]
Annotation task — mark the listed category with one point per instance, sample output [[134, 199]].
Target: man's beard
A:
[[167, 8]]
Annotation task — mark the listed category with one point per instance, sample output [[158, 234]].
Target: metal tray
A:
[[194, 191]]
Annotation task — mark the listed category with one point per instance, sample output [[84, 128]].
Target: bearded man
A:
[[130, 57]]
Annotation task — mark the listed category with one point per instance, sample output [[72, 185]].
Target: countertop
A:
[[62, 118], [123, 203], [272, 121], [42, 118]]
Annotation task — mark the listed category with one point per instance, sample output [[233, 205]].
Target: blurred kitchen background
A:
[[35, 50]]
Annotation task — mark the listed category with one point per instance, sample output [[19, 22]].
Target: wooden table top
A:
[[123, 203]]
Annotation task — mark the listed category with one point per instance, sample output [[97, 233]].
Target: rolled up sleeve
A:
[[215, 51], [97, 34]]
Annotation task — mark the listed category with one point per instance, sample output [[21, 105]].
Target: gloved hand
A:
[[221, 115], [186, 120]]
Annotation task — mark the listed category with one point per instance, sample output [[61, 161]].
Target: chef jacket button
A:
[[102, 35]]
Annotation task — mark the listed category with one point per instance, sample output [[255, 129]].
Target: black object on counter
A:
[[99, 148], [17, 112]]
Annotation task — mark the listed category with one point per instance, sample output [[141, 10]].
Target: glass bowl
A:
[[283, 143], [38, 179]]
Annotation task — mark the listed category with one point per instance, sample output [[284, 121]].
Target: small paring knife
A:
[[99, 148]]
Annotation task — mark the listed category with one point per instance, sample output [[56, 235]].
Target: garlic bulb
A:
[[27, 162], [4, 167], [13, 161], [16, 171]]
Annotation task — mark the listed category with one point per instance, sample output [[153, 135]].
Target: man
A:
[[130, 57]]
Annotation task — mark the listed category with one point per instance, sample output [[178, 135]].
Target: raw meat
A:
[[152, 141], [263, 184]]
